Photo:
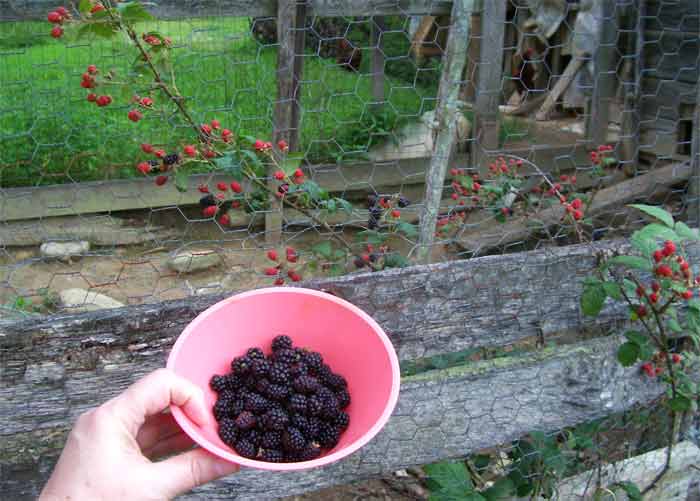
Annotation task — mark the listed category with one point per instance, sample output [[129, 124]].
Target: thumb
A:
[[191, 469]]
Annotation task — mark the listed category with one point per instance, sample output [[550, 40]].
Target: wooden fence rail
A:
[[57, 367]]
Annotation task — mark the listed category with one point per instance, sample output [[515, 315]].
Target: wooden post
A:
[[490, 79], [632, 74], [378, 27], [604, 78], [694, 188], [472, 67], [446, 120], [291, 16]]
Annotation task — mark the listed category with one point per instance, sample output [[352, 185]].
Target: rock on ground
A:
[[190, 261], [79, 300], [64, 250]]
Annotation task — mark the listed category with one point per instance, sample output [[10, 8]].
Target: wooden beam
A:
[[694, 187], [559, 88], [446, 122], [631, 87], [11, 10], [489, 88], [377, 72]]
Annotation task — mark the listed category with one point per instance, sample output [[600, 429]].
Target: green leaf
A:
[[655, 212], [632, 491], [502, 489], [637, 338], [628, 353], [291, 163], [323, 249], [593, 297], [686, 232], [680, 403], [336, 270], [254, 161], [314, 190], [230, 165], [132, 12], [395, 261], [339, 254], [449, 481], [103, 29], [481, 461], [674, 325], [84, 6], [408, 229], [181, 178], [656, 231], [642, 243], [613, 290], [344, 204], [636, 262], [371, 237]]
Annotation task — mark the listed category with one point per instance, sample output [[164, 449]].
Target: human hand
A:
[[111, 450]]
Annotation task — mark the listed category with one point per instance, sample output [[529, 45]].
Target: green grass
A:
[[50, 134]]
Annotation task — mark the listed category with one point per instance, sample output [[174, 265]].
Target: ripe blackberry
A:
[[262, 385], [222, 409], [154, 163], [312, 359], [218, 383], [228, 431], [342, 420], [314, 405], [286, 356], [375, 214], [255, 354], [257, 404], [253, 436], [250, 383], [330, 408], [277, 392], [171, 159], [281, 342], [273, 456], [271, 440], [275, 419], [306, 384], [308, 426], [343, 398], [323, 373], [293, 440], [328, 436], [403, 202], [245, 448], [335, 381], [241, 365], [279, 374], [245, 420], [311, 452], [207, 201], [260, 368], [297, 403], [234, 381], [297, 370]]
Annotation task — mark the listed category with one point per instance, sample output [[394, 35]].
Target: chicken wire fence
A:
[[423, 131]]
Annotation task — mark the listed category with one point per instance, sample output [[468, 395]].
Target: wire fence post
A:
[[489, 84], [446, 120], [291, 15]]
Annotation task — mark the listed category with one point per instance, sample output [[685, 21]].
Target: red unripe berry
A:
[[454, 172], [505, 211], [298, 173], [293, 275], [160, 153], [206, 129], [562, 199], [688, 294], [282, 145], [222, 186], [655, 286], [578, 215], [87, 84], [563, 178], [664, 270], [92, 69], [235, 204], [658, 370], [236, 187], [146, 148], [161, 180], [272, 255], [454, 196], [669, 247], [210, 211], [146, 101], [215, 124], [190, 150], [144, 167], [476, 186], [279, 281], [653, 297], [641, 311], [658, 256], [203, 188], [396, 213], [97, 8], [640, 291], [291, 255], [224, 220], [279, 175], [92, 97], [576, 204], [54, 17], [209, 153], [135, 115], [271, 271], [676, 358]]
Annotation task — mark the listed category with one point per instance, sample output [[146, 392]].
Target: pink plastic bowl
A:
[[351, 342]]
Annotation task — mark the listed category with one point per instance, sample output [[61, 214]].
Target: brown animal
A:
[[349, 57]]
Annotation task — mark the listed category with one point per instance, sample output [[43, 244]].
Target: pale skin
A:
[[113, 450]]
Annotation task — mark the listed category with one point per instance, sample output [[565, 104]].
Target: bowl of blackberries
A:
[[295, 378]]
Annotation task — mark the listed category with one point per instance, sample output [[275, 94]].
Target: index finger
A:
[[154, 393]]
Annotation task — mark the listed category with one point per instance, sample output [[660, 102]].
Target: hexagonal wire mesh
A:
[[532, 101]]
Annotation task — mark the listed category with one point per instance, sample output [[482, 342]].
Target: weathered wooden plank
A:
[[631, 86], [559, 88], [694, 185], [440, 414], [446, 119], [19, 10], [671, 55]]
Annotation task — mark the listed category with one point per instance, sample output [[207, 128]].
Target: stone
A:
[[64, 250], [190, 261], [81, 300]]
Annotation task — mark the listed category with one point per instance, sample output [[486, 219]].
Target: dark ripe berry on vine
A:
[[655, 286], [92, 97], [576, 204], [55, 18], [190, 150], [203, 188], [664, 270], [653, 297], [676, 358], [272, 255], [161, 180], [658, 255], [236, 187], [271, 272], [134, 115], [171, 159], [279, 175], [403, 202], [210, 211], [359, 263], [222, 186], [669, 247], [688, 294], [225, 220], [641, 311]]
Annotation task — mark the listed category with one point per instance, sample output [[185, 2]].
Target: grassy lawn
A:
[[51, 134]]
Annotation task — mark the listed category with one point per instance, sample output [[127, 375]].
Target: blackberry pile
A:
[[283, 407]]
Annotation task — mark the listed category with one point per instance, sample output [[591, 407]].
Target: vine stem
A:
[[177, 99]]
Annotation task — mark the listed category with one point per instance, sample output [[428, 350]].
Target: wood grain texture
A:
[[18, 10], [440, 414]]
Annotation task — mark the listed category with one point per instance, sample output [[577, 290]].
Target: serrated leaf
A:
[[449, 481], [291, 163], [103, 29], [338, 254], [371, 237], [628, 353], [637, 338], [407, 229], [132, 12], [686, 232], [655, 212], [395, 261], [636, 262], [632, 491], [613, 290], [674, 325], [592, 298], [643, 243], [181, 178], [314, 190], [323, 249], [679, 403], [656, 232], [230, 165]]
